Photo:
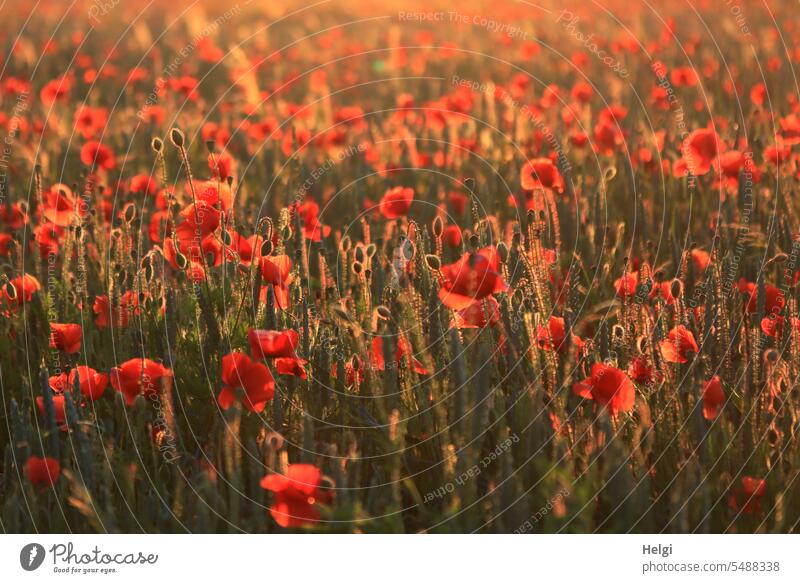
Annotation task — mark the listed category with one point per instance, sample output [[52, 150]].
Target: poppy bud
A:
[[502, 252], [383, 312], [370, 250], [771, 356], [11, 291], [130, 214], [438, 227], [176, 137], [345, 244], [359, 254], [266, 248], [433, 262], [676, 289], [157, 144], [180, 260], [211, 146], [619, 332], [357, 267]]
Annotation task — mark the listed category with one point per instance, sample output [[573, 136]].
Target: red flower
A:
[[713, 398], [42, 472], [475, 316], [626, 285], [609, 386], [138, 376], [747, 498], [238, 371], [553, 334], [773, 297], [58, 407], [276, 271], [66, 337], [145, 184], [402, 352], [471, 278], [396, 202], [678, 344], [96, 154], [700, 151], [291, 366], [272, 344], [296, 495], [104, 315], [541, 173], [20, 290]]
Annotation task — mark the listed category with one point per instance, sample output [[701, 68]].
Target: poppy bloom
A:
[[276, 271], [138, 376], [773, 297], [396, 202], [700, 151], [609, 386], [272, 343], [42, 472], [747, 498], [553, 335], [96, 154], [144, 184], [473, 277], [66, 337], [713, 398], [58, 408], [541, 173], [296, 495], [20, 290], [626, 285], [238, 371], [105, 315], [479, 314], [679, 343], [402, 352]]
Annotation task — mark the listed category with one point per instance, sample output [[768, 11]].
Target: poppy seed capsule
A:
[[438, 227], [176, 137], [676, 288], [771, 356], [619, 332], [211, 146], [11, 291], [433, 262], [502, 252]]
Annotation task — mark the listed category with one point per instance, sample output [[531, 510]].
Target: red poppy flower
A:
[[238, 371], [541, 173], [679, 343], [313, 229], [95, 154], [713, 397], [296, 495], [20, 290], [396, 202], [773, 297], [479, 314], [626, 285], [640, 370], [43, 472], [144, 184], [609, 386], [66, 337], [138, 376], [552, 335], [60, 205], [402, 352], [104, 315], [473, 277], [747, 498], [92, 383], [276, 270], [58, 408], [272, 344], [700, 151], [291, 366]]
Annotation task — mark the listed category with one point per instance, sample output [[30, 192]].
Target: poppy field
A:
[[400, 267]]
